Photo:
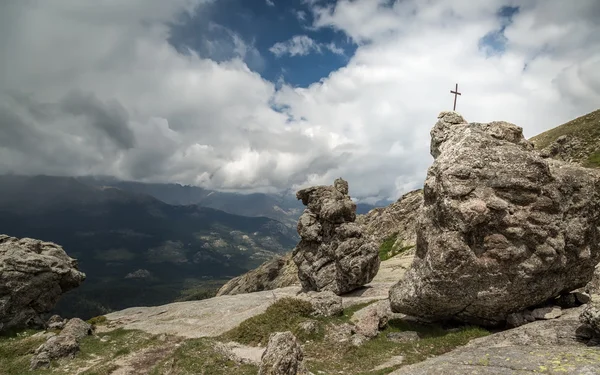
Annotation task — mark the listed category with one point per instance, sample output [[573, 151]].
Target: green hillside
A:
[[581, 143]]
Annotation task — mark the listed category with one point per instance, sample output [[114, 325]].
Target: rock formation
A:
[[283, 356], [33, 276], [333, 254], [501, 229], [398, 218], [278, 272], [64, 345]]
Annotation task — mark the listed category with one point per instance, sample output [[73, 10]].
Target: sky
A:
[[274, 95]]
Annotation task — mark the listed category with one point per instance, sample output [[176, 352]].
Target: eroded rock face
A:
[[333, 254], [33, 276], [283, 356], [591, 316], [278, 272], [501, 228]]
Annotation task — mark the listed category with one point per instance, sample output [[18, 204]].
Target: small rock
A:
[[567, 301], [42, 360], [324, 303], [105, 338], [358, 339], [59, 346], [309, 327], [283, 356], [582, 298], [401, 337], [368, 325], [584, 332], [528, 316], [515, 320], [591, 316], [545, 313], [77, 328], [56, 322]]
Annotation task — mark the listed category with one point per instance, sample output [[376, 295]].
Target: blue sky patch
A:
[[494, 42], [221, 30]]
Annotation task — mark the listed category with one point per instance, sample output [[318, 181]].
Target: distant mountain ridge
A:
[[115, 233], [282, 207]]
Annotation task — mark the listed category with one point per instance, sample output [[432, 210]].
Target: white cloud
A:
[[103, 92], [270, 3], [302, 45]]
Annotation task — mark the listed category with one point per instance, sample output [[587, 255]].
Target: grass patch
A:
[[16, 350], [387, 250], [106, 369], [97, 320], [347, 359], [593, 161], [283, 315], [199, 357]]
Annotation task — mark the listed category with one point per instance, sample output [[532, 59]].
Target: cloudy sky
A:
[[264, 95]]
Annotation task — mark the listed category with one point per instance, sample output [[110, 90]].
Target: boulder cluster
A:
[[333, 253], [33, 276]]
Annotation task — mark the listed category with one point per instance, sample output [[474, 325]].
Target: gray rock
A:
[[33, 276], [515, 320], [324, 303], [549, 312], [582, 297], [358, 339], [567, 301], [283, 356], [309, 327], [63, 345], [544, 346], [368, 324], [60, 346], [591, 316], [56, 322], [402, 337], [77, 328], [333, 254], [501, 228]]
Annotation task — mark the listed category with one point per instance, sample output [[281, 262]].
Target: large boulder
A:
[[333, 253], [33, 276], [501, 228]]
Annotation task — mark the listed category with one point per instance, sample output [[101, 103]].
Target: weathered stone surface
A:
[[309, 327], [544, 346], [368, 324], [63, 345], [502, 229], [33, 276], [324, 303], [549, 312], [593, 287], [591, 316], [333, 254], [279, 272], [77, 328], [283, 356], [56, 322], [398, 218], [374, 317]]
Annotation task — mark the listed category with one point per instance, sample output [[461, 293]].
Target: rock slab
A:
[[33, 276], [501, 228], [333, 253]]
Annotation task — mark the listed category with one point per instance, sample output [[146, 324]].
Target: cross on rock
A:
[[456, 93]]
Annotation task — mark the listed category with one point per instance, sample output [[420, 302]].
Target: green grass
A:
[[97, 320], [199, 357], [593, 161], [283, 315], [345, 358], [387, 250], [16, 351]]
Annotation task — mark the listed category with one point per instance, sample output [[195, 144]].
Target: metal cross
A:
[[456, 93]]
